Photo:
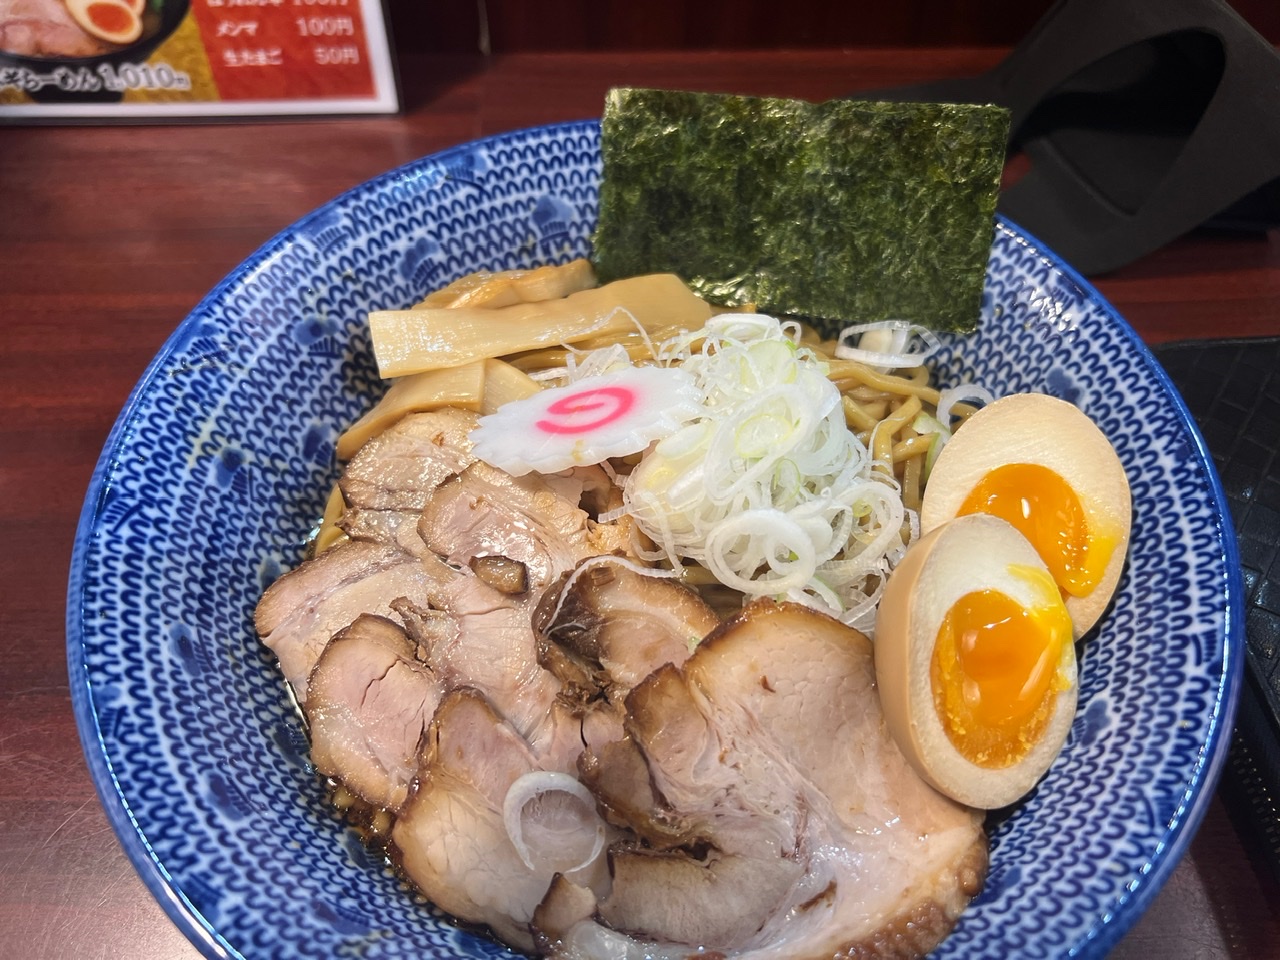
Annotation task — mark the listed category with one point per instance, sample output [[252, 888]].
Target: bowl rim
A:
[[1139, 894], [1199, 793]]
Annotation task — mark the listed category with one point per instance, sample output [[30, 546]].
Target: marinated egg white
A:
[[975, 661], [115, 21], [1044, 466]]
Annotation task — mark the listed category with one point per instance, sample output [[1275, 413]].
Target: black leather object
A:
[[1141, 120]]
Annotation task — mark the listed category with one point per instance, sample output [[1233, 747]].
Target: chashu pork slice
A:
[[481, 638], [46, 28], [481, 635], [401, 467], [369, 702], [301, 611], [536, 520], [610, 623], [769, 761], [451, 839], [606, 626], [391, 478]]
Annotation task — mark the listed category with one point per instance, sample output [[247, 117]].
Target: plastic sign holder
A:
[[90, 60]]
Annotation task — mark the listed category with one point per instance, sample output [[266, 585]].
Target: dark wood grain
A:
[[517, 26], [110, 235]]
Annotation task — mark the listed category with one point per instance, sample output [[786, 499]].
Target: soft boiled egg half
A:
[[1041, 464], [115, 21], [975, 661]]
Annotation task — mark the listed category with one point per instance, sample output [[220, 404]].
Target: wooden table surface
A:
[[110, 235]]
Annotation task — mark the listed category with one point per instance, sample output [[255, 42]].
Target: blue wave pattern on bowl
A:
[[220, 464]]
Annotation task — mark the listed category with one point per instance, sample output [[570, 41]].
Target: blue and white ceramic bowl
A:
[[219, 464]]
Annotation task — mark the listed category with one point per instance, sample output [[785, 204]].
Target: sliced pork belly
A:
[[369, 701], [610, 624], [536, 520], [796, 672], [401, 467], [487, 642], [716, 898], [450, 839], [769, 760], [617, 773], [733, 786], [478, 637], [299, 613], [45, 28], [391, 478], [486, 639], [607, 626], [399, 527]]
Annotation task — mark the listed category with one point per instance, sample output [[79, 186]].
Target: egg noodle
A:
[[801, 480]]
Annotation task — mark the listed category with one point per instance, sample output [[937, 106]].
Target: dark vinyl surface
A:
[[1232, 388]]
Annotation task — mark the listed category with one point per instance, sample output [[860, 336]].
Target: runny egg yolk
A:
[[994, 672], [113, 18], [1046, 510]]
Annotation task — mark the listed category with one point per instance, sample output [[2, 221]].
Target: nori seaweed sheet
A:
[[840, 212]]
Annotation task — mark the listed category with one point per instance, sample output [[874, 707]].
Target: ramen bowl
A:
[[218, 467]]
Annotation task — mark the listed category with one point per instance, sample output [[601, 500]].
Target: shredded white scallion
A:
[[769, 490], [887, 345], [552, 822], [963, 393]]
